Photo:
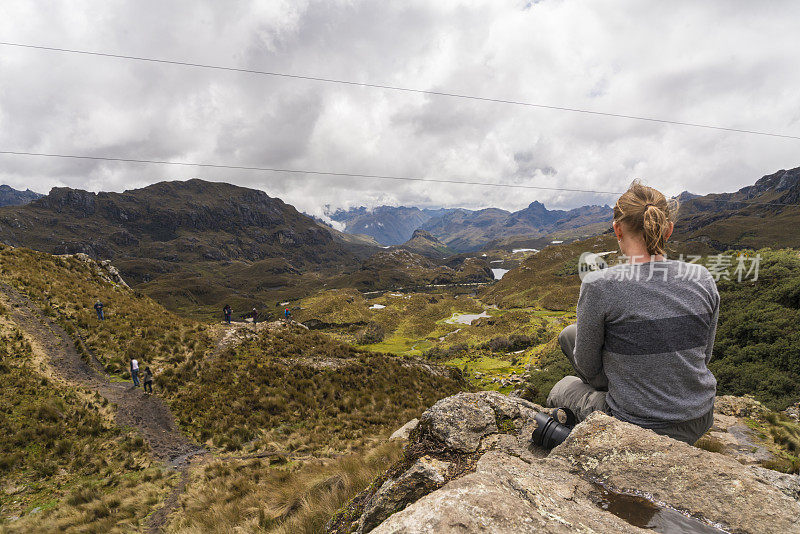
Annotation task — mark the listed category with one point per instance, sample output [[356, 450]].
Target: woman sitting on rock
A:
[[644, 331]]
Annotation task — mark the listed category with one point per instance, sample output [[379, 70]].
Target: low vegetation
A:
[[252, 496], [64, 464], [757, 350], [302, 392]]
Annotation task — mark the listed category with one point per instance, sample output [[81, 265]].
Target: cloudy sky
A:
[[730, 63]]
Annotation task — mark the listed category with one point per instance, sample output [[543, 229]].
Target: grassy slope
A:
[[63, 456], [304, 392], [181, 353], [757, 349], [422, 324]]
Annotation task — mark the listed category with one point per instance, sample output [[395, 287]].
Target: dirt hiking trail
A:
[[147, 413]]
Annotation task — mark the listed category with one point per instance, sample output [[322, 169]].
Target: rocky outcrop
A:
[[103, 269], [470, 467], [13, 197]]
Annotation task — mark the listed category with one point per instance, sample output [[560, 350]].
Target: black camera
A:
[[553, 429]]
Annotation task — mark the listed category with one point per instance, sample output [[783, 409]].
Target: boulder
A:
[[459, 422], [404, 431], [424, 476]]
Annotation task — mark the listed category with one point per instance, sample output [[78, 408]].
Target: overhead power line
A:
[[302, 171], [344, 174], [399, 88]]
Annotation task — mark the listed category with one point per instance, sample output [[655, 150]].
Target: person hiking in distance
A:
[[645, 330], [135, 372], [287, 315], [255, 316], [227, 311], [147, 379], [98, 307]]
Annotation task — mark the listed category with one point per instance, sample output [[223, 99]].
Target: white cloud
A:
[[727, 63]]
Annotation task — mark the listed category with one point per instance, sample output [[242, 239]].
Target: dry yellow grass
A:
[[250, 496]]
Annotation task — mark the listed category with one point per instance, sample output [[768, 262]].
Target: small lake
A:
[[465, 318], [499, 273]]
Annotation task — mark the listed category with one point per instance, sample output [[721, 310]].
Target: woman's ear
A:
[[617, 229], [669, 231]]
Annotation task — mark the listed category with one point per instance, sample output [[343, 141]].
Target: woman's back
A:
[[650, 327]]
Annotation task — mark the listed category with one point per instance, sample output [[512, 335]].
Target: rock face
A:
[[470, 467], [405, 431]]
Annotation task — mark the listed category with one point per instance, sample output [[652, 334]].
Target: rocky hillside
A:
[[466, 231], [424, 243], [401, 268], [726, 220], [13, 197], [470, 467], [389, 225], [172, 222], [190, 243]]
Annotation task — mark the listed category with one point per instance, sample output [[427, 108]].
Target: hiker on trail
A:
[[287, 315], [255, 316], [228, 312], [147, 379], [645, 330], [135, 372], [98, 307]]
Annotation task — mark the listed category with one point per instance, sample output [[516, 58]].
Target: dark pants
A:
[[100, 315], [148, 386], [228, 318], [135, 376], [584, 396]]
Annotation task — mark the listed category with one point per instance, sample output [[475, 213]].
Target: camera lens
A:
[[549, 432]]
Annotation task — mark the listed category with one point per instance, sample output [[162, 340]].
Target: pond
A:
[[499, 273], [465, 318]]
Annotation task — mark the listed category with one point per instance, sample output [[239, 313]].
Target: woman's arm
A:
[[591, 330]]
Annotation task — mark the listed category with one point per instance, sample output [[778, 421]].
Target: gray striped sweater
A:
[[650, 328]]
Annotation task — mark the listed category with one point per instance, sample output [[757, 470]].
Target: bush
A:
[[374, 333]]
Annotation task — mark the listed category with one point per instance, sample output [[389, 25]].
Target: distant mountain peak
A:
[[14, 197]]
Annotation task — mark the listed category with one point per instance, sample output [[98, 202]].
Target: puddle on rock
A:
[[644, 513]]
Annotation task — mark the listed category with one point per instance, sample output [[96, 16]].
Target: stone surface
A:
[[793, 411], [424, 476], [505, 495], [739, 406], [459, 422], [788, 484], [713, 486], [404, 431]]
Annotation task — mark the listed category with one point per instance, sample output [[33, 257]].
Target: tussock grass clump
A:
[[253, 496], [710, 444]]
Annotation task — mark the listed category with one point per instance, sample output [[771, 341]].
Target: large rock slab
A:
[[505, 495], [714, 486]]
